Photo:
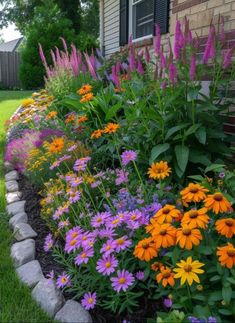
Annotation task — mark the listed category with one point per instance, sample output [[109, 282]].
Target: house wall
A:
[[199, 12], [111, 26]]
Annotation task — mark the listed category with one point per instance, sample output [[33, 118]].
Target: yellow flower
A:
[[159, 170], [25, 103], [188, 271]]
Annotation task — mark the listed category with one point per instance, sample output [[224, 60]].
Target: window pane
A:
[[143, 15]]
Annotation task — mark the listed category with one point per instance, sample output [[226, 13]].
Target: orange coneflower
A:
[[167, 214], [70, 118], [111, 128], [217, 203], [156, 266], [193, 193], [56, 145], [82, 119], [166, 276], [199, 218], [226, 227], [87, 97], [163, 234], [226, 255], [187, 236], [159, 170], [97, 134], [119, 90], [145, 249], [51, 115], [84, 89]]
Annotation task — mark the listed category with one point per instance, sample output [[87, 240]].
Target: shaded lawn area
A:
[[16, 304]]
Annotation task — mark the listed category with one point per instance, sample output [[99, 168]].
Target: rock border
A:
[[28, 269]]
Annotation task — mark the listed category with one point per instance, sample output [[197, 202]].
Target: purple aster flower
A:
[[96, 184], [128, 156], [81, 164], [139, 275], [107, 265], [122, 177], [135, 220], [55, 164], [76, 181], [72, 239], [89, 300], [114, 222], [84, 256], [99, 219], [167, 302], [193, 319], [64, 158], [50, 276], [72, 148], [212, 319], [63, 224], [49, 241], [63, 280], [122, 243], [107, 233], [74, 196], [108, 247], [123, 280]]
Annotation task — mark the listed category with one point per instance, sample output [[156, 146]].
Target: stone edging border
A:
[[29, 271]]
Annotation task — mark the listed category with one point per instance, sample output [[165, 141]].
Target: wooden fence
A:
[[9, 69]]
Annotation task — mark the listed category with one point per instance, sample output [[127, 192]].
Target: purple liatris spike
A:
[[172, 73], [227, 57], [115, 77], [140, 68], [162, 60], [210, 46], [179, 40], [192, 71], [147, 55], [157, 40], [132, 59]]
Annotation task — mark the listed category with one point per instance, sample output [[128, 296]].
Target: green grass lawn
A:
[[16, 304]]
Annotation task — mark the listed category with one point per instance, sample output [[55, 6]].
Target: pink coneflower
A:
[[81, 164], [49, 241], [128, 156], [122, 243], [108, 247], [63, 280], [140, 275], [107, 265], [123, 280], [84, 256], [99, 219], [89, 300]]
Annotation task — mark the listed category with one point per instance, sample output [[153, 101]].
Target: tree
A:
[[46, 29]]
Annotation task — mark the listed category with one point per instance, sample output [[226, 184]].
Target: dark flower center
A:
[[193, 214], [166, 211], [231, 252], [218, 197], [186, 232], [188, 268], [194, 190], [229, 223], [163, 232]]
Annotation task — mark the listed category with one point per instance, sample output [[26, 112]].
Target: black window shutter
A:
[[161, 14], [124, 22]]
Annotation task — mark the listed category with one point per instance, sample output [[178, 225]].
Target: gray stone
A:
[[18, 218], [13, 197], [14, 208], [73, 312], [12, 186], [11, 176], [8, 166], [24, 231], [30, 273], [48, 297], [23, 252]]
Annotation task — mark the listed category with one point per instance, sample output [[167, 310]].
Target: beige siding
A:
[[111, 26]]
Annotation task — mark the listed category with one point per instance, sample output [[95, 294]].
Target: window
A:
[[142, 18]]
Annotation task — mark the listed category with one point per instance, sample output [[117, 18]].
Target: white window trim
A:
[[130, 23]]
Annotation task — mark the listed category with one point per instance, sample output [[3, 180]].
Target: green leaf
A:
[[227, 294], [173, 130], [157, 151], [199, 297], [214, 167], [201, 135], [215, 278], [215, 296], [182, 154], [192, 129], [231, 280], [198, 157], [225, 311], [198, 178]]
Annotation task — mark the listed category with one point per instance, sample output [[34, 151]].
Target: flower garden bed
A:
[[136, 216]]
